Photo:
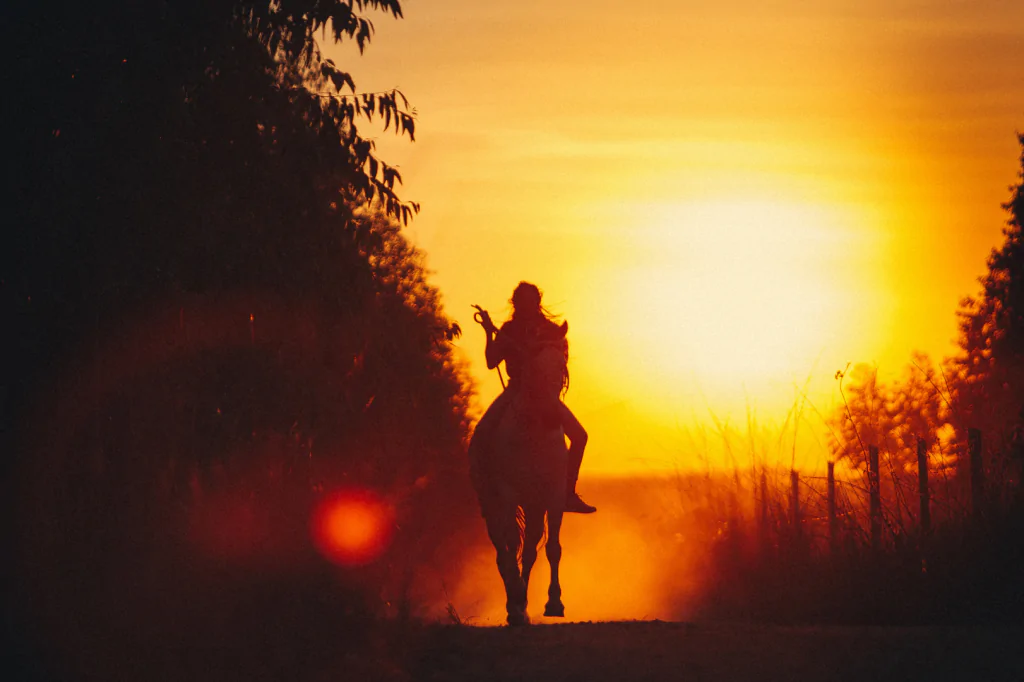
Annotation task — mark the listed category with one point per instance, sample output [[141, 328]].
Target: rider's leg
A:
[[577, 436]]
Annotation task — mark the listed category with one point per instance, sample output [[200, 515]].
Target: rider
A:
[[529, 324]]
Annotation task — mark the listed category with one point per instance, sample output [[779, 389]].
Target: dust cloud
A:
[[641, 556]]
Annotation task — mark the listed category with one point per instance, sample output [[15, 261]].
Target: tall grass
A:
[[768, 564]]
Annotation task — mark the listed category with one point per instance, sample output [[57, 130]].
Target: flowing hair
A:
[[527, 297]]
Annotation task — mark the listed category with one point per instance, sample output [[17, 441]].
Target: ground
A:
[[654, 650]]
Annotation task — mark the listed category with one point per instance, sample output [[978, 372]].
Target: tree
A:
[[989, 371], [188, 147], [210, 292], [891, 417], [980, 388]]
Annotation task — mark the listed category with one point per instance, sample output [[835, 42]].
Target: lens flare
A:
[[352, 527]]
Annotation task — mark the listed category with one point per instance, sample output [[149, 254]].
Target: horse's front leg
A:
[[532, 533], [504, 533], [554, 608]]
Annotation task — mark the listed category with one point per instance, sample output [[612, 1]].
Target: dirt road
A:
[[600, 652]]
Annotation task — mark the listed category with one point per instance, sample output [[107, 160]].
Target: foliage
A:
[[989, 371], [188, 148], [889, 416], [979, 388], [216, 314]]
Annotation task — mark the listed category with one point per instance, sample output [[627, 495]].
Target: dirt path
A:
[[599, 652]]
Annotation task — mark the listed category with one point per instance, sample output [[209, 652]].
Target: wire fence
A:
[[888, 504]]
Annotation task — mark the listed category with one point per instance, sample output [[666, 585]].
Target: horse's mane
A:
[[560, 346], [561, 342]]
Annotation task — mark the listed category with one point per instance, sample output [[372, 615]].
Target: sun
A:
[[731, 292]]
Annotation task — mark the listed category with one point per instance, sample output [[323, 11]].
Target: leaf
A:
[[345, 79], [410, 126]]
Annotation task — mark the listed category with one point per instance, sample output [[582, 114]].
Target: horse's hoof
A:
[[554, 610], [516, 619]]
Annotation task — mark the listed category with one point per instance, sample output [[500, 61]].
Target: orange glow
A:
[[352, 528], [723, 199], [611, 566]]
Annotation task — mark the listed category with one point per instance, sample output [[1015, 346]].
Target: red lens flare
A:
[[352, 527]]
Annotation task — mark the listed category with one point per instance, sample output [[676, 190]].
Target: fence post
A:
[[922, 487], [977, 472], [874, 497], [833, 535]]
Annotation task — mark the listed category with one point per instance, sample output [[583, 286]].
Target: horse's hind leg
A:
[[554, 608], [532, 534]]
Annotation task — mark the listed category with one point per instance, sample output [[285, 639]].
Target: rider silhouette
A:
[[529, 325]]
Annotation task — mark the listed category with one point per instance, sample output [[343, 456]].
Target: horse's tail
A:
[[521, 528]]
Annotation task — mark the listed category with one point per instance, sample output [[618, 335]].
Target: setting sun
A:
[[737, 207], [732, 291]]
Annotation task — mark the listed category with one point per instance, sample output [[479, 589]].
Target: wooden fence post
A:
[[977, 472], [833, 526], [794, 484], [922, 487], [874, 497]]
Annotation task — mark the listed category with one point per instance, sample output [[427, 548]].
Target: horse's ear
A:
[[565, 328]]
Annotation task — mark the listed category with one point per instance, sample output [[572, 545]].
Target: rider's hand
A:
[[484, 318]]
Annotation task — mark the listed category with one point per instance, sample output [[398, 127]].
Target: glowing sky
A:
[[723, 198]]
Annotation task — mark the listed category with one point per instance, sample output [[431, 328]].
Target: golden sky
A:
[[724, 199]]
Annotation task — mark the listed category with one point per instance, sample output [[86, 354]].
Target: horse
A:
[[523, 478]]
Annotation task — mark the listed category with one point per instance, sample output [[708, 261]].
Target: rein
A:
[[479, 316]]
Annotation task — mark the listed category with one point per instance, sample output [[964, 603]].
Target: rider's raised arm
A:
[[495, 349]]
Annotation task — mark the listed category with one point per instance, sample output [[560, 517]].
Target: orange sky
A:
[[724, 199]]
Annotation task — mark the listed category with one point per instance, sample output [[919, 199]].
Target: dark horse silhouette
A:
[[522, 478]]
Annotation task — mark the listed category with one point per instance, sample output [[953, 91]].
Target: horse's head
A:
[[545, 372]]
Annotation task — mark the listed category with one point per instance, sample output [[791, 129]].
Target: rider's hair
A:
[[527, 298]]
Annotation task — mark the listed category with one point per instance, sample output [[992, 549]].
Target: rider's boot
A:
[[575, 504]]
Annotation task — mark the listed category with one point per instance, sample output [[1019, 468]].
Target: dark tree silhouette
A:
[[989, 372], [178, 147], [980, 388], [891, 416], [213, 315]]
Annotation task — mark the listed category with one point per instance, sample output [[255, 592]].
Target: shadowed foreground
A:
[[595, 652]]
